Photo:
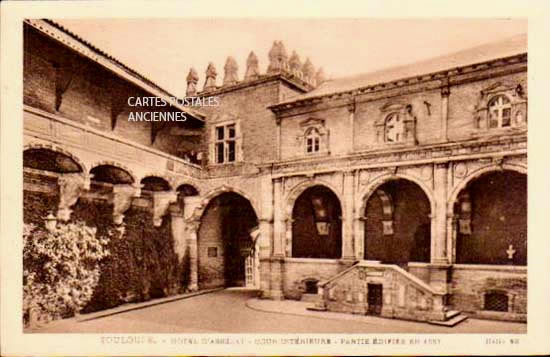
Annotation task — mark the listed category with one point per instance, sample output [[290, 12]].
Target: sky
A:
[[164, 50]]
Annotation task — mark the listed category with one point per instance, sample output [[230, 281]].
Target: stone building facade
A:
[[400, 193]]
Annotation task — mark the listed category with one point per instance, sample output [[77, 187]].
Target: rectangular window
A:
[[226, 143], [309, 145], [506, 114]]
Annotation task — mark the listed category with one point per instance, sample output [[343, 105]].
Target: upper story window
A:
[[501, 106], [500, 112], [394, 128], [313, 140], [225, 146]]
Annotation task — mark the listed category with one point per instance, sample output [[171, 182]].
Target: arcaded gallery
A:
[[400, 193]]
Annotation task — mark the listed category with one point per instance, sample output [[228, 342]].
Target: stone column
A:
[[265, 244], [277, 259], [351, 123], [445, 92], [192, 228], [439, 269], [189, 239], [348, 251]]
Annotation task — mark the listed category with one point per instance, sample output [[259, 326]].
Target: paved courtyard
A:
[[237, 311]]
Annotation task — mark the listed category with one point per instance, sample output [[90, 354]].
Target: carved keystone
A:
[[161, 202], [70, 188], [122, 200]]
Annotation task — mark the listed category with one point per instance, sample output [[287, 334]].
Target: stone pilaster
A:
[[439, 224], [71, 187], [265, 243], [348, 246], [445, 92]]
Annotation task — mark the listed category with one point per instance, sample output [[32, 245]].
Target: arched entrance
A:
[[398, 224], [225, 240], [317, 224], [492, 219]]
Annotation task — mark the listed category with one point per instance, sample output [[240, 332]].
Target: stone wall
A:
[[470, 282], [297, 270]]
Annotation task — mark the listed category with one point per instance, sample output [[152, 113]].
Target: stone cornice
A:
[[437, 153], [287, 78], [450, 77]]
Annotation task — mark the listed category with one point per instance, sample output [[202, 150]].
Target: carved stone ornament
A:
[[211, 75], [461, 170], [252, 69], [161, 202], [278, 59], [122, 200], [512, 97], [231, 67], [309, 71], [70, 188], [295, 64], [192, 79]]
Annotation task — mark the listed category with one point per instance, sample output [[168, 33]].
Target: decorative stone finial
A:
[[230, 77], [192, 80], [308, 71], [295, 64], [278, 59], [252, 70], [211, 74], [320, 76]]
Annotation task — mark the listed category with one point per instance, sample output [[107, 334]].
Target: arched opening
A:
[[317, 224], [187, 190], [111, 174], [105, 176], [398, 224], [49, 160], [152, 184], [492, 220], [224, 241]]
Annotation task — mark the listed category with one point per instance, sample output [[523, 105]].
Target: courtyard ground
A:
[[239, 311]]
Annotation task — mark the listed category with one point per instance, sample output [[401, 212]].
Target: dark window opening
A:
[[311, 287], [496, 301]]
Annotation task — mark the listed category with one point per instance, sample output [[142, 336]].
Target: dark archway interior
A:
[[49, 160], [317, 224], [407, 237], [153, 183], [224, 241], [111, 174], [497, 220]]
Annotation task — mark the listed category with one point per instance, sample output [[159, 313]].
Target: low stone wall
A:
[[296, 271], [471, 283]]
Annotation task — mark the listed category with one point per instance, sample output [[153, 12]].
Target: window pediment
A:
[[501, 106]]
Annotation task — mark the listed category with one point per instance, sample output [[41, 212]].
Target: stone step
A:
[[451, 322], [311, 298], [451, 313]]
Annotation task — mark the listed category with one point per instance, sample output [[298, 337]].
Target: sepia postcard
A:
[[351, 178]]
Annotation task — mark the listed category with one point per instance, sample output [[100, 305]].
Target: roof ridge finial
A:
[[252, 70], [192, 80], [210, 82], [230, 76]]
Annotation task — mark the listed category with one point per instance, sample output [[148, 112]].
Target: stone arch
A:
[[298, 189], [487, 227], [314, 224], [199, 210], [116, 164], [155, 179], [393, 220], [188, 189], [365, 194], [453, 195], [59, 150], [225, 242]]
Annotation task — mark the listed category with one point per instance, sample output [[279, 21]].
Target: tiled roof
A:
[[509, 47]]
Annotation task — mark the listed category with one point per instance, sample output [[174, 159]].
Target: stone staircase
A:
[[385, 290]]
